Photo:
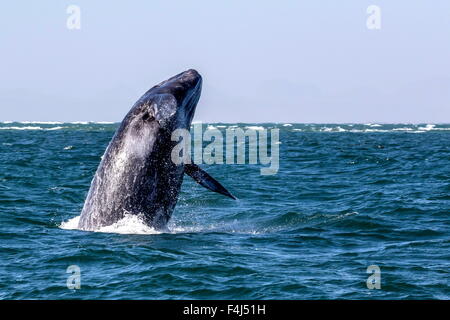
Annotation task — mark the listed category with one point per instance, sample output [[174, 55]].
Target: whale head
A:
[[167, 106], [183, 90]]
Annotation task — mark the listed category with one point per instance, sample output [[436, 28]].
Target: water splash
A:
[[129, 224]]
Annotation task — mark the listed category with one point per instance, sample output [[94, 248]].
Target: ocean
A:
[[345, 197]]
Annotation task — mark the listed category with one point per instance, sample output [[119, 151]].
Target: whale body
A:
[[136, 174]]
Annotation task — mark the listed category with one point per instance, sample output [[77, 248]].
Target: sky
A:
[[261, 61]]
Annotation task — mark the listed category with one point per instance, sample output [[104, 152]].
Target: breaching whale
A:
[[136, 174]]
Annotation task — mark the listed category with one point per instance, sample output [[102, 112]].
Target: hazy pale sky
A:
[[261, 61]]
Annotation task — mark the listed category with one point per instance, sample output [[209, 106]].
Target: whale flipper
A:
[[205, 180]]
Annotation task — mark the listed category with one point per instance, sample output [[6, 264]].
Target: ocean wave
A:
[[58, 122], [255, 127], [33, 122], [31, 128], [371, 129], [428, 127], [373, 124]]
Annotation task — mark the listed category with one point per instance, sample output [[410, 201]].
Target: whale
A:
[[136, 174]]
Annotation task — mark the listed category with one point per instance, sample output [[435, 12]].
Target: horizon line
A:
[[236, 122]]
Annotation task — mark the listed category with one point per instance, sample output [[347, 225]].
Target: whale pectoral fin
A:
[[205, 180]]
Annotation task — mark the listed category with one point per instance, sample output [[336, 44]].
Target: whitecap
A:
[[39, 122], [428, 127], [21, 128], [79, 122], [255, 127], [373, 124], [403, 129], [370, 130], [31, 128]]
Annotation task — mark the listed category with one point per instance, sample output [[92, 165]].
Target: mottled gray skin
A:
[[136, 174]]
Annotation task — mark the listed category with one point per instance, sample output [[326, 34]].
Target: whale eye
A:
[[147, 117]]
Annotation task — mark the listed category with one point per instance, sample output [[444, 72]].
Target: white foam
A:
[[71, 224], [31, 128], [79, 122], [21, 128], [373, 124], [129, 224], [369, 130], [287, 125], [133, 224], [255, 128], [402, 129], [443, 129], [57, 122], [428, 127], [39, 122]]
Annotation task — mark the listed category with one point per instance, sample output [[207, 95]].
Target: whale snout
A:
[[190, 75], [185, 82]]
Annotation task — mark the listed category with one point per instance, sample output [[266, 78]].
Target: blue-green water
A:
[[345, 197]]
